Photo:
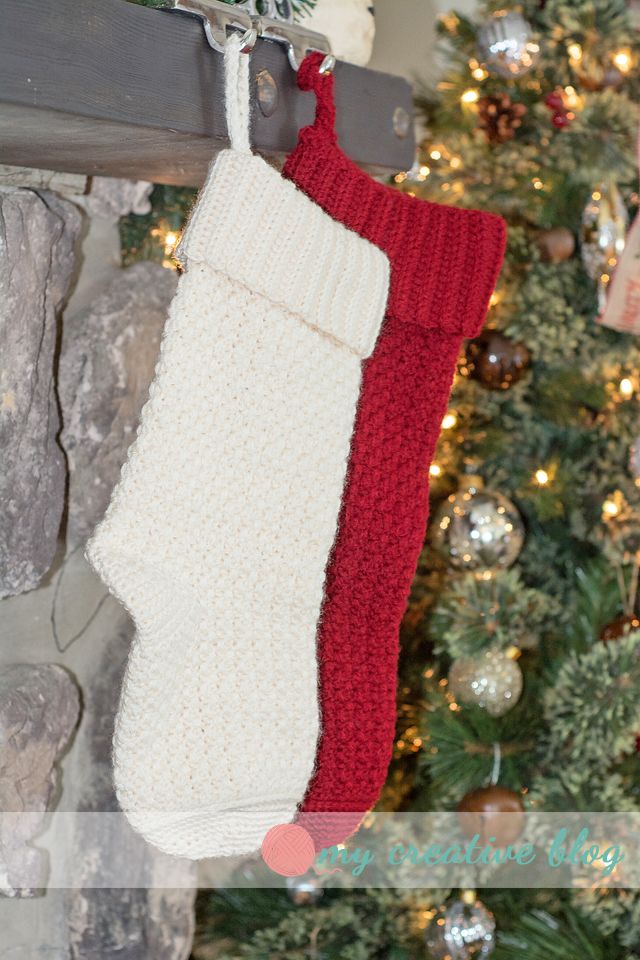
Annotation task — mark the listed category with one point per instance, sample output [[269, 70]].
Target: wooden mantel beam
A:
[[112, 88]]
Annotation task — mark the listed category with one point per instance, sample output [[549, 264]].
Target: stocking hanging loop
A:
[[316, 74], [237, 99]]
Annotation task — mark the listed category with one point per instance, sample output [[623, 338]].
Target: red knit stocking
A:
[[444, 265]]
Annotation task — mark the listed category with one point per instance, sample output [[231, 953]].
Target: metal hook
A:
[[217, 19], [248, 40], [220, 17], [328, 65], [297, 40]]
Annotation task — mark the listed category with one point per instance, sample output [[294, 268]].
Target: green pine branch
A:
[[475, 615], [303, 8], [540, 936], [613, 913], [372, 924], [458, 753], [597, 603], [593, 708]]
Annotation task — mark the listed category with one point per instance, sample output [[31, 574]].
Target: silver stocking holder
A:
[[275, 24]]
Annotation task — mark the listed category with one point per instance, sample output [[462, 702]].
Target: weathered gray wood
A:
[[107, 360], [39, 710], [37, 240], [113, 88]]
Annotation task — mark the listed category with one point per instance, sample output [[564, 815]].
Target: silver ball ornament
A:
[[604, 234], [506, 45], [304, 891], [461, 931], [478, 530], [491, 680]]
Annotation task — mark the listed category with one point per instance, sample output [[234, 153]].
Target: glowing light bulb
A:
[[470, 96], [610, 508], [449, 421], [450, 22], [435, 470], [622, 60], [435, 155], [572, 99], [542, 477], [626, 387], [575, 52]]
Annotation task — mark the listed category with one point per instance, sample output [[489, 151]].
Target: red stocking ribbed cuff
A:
[[444, 261]]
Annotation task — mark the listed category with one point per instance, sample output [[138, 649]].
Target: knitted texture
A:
[[444, 266], [219, 531]]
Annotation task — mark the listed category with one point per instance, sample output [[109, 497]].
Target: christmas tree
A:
[[522, 630]]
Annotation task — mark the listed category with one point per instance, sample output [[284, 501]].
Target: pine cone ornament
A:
[[499, 117]]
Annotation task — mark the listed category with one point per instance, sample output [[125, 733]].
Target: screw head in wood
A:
[[401, 123], [266, 93]]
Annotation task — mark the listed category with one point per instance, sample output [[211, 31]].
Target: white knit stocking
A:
[[219, 531]]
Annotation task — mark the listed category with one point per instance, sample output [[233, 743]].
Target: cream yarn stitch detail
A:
[[219, 531]]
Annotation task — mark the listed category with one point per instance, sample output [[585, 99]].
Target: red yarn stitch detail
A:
[[444, 266]]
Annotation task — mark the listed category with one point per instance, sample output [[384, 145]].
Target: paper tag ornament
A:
[[622, 307]]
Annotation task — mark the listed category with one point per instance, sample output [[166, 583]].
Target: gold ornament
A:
[[592, 71], [491, 680]]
